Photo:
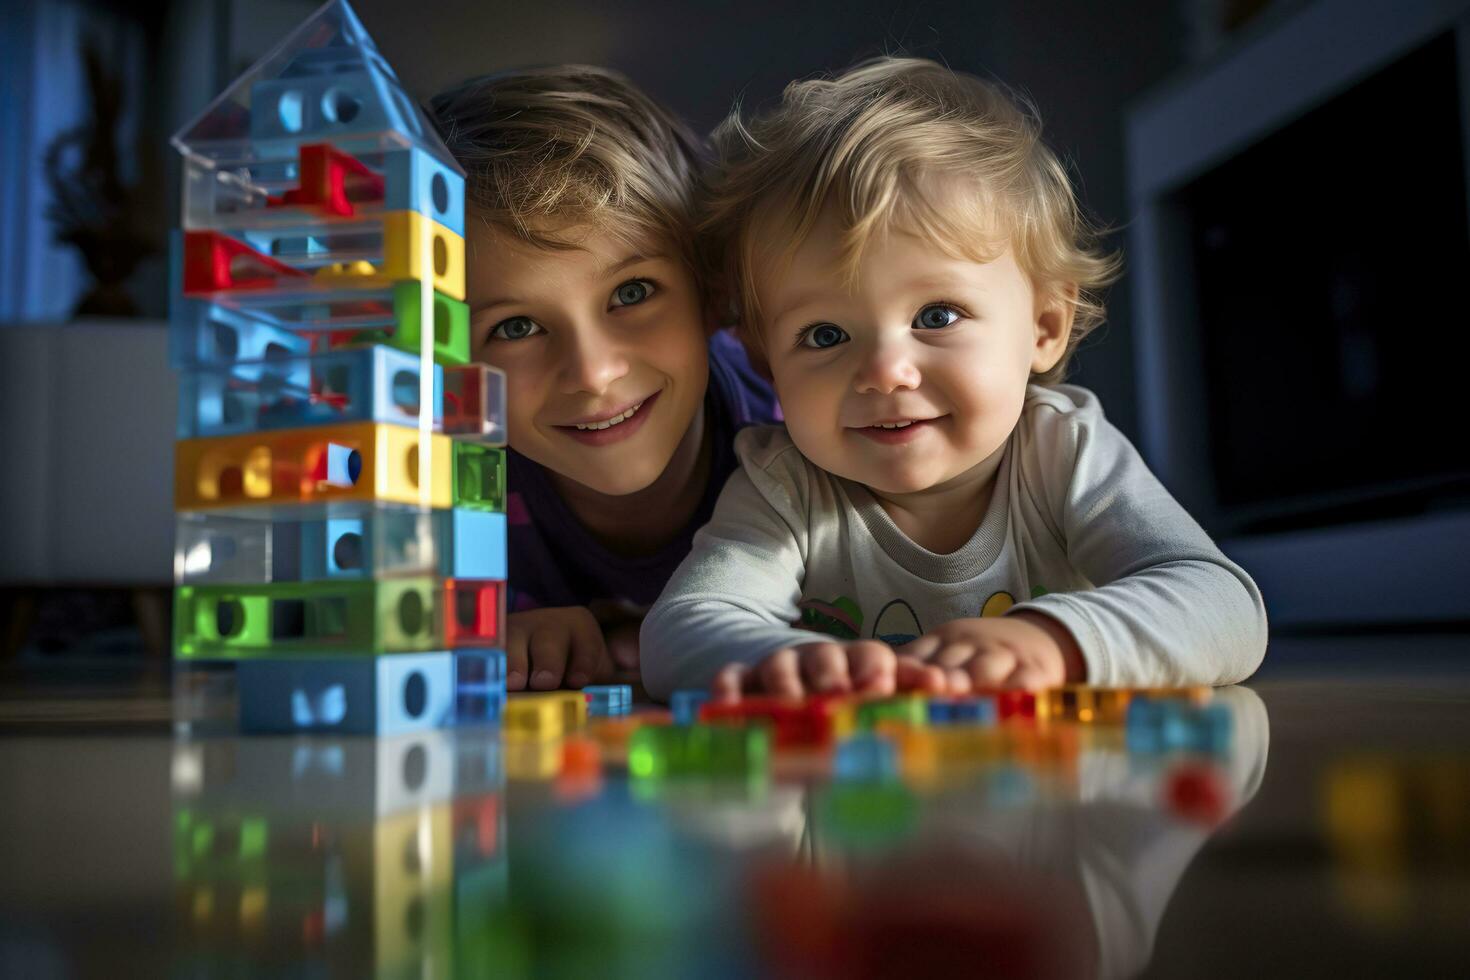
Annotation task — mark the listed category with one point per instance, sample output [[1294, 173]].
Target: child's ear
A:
[[1055, 310]]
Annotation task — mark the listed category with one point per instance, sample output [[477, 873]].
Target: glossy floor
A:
[[1333, 839]]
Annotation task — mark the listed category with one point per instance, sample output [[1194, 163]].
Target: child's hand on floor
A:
[[546, 647], [1025, 649], [828, 667]]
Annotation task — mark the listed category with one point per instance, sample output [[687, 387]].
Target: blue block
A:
[[377, 384], [377, 695], [608, 700], [478, 707], [686, 705], [203, 334], [418, 181], [865, 757], [477, 547], [962, 711], [330, 102], [1160, 725], [474, 667]]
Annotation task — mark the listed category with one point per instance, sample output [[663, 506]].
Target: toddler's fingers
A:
[[730, 682], [547, 652], [991, 667], [824, 668], [955, 654], [589, 658], [779, 675], [515, 657], [871, 666], [958, 680], [921, 649], [916, 675]]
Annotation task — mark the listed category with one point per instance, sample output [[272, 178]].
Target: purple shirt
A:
[[555, 561]]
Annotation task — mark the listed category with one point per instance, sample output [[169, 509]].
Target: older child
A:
[[623, 404], [937, 504]]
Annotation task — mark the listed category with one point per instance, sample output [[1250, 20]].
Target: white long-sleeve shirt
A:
[[1077, 527]]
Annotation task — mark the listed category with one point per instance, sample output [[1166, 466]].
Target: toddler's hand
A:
[[543, 646], [827, 667], [1026, 649]]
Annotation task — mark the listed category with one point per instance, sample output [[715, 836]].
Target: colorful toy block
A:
[[359, 461], [686, 705], [1084, 704], [865, 757], [337, 541], [909, 709], [963, 711], [474, 404], [479, 685], [403, 314], [476, 545], [533, 717], [607, 700], [418, 181], [795, 723], [331, 183], [474, 613], [379, 695], [1160, 725], [259, 621], [704, 751], [371, 384], [206, 335], [479, 477]]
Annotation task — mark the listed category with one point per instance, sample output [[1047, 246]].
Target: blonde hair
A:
[[547, 151], [870, 144]]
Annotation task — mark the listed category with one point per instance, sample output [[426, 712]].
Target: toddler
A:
[[909, 263]]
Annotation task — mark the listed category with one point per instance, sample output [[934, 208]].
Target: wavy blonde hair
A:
[[874, 144], [572, 148]]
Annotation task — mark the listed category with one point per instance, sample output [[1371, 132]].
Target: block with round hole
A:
[[369, 384], [419, 181], [239, 622], [355, 461], [385, 695], [419, 248]]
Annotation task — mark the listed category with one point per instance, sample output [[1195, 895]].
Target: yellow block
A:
[[295, 466], [413, 251], [532, 716]]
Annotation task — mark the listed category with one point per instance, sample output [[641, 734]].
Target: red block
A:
[[474, 610], [214, 263], [1196, 793], [796, 723], [1012, 702], [331, 182]]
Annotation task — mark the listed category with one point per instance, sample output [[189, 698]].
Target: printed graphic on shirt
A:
[[997, 604], [840, 618], [897, 623]]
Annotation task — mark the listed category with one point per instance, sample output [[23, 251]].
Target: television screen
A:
[[1331, 261]]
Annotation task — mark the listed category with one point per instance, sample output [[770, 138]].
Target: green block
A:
[[451, 326], [231, 622], [479, 477], [710, 751], [908, 709]]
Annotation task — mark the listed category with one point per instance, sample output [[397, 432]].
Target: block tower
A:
[[339, 477]]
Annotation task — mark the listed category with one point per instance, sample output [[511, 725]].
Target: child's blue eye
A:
[[935, 316], [822, 336], [632, 292], [516, 328]]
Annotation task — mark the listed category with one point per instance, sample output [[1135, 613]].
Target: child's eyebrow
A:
[[633, 259]]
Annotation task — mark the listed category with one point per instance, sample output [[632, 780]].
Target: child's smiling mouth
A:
[[894, 431], [611, 428]]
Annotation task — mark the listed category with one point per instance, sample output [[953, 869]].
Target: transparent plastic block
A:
[[325, 81], [474, 404], [370, 384]]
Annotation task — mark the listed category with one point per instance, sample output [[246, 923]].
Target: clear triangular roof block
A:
[[326, 82]]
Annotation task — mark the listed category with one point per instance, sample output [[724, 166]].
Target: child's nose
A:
[[887, 367], [590, 366]]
